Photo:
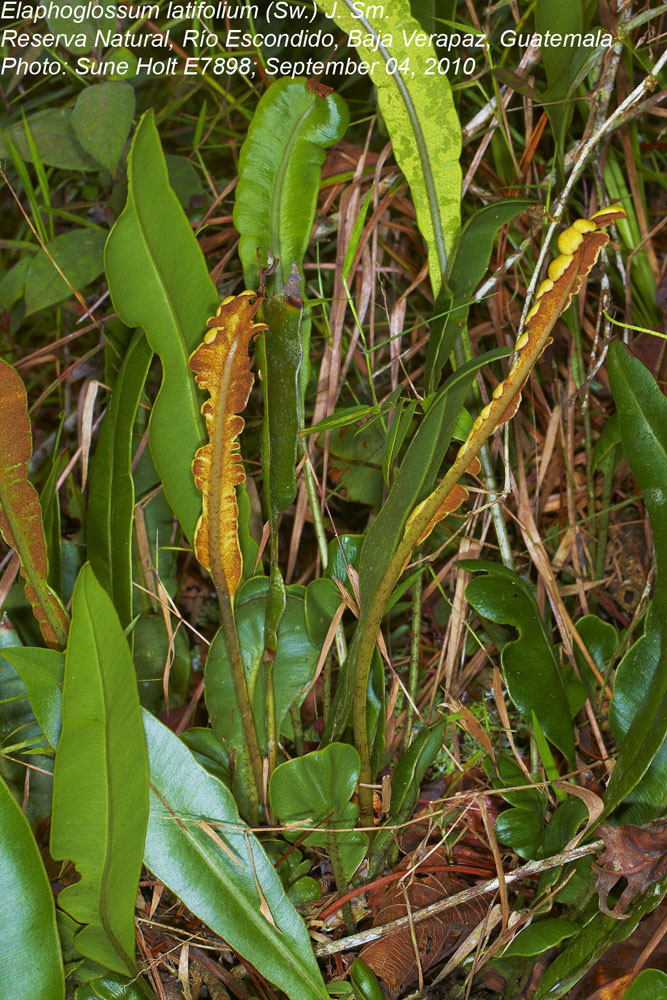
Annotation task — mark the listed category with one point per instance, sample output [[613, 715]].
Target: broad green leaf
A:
[[101, 120], [111, 494], [535, 680], [18, 725], [364, 981], [208, 751], [521, 830], [153, 649], [30, 956], [651, 984], [279, 173], [20, 512], [280, 355], [12, 283], [531, 941], [566, 819], [305, 890], [561, 62], [158, 280], [508, 774], [425, 12], [583, 950], [344, 551], [41, 670], [601, 641], [466, 271], [610, 436], [322, 600], [315, 790], [419, 114], [561, 828], [356, 460], [100, 795], [280, 168], [638, 712], [562, 19], [54, 138], [200, 848], [78, 254], [112, 987], [540, 936]]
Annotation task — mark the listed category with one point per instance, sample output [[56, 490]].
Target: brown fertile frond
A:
[[579, 248], [222, 366], [20, 511]]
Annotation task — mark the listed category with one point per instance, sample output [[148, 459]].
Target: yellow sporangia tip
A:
[[584, 226], [546, 286], [570, 240], [608, 211], [559, 266]]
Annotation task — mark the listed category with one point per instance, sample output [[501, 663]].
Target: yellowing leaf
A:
[[20, 512], [222, 366]]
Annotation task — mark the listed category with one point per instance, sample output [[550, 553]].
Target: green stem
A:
[[414, 657], [295, 716], [463, 353], [275, 606], [339, 878], [326, 694], [603, 521], [320, 535], [579, 376], [314, 504], [238, 673]]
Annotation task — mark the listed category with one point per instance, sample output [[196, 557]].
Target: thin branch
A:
[[492, 885]]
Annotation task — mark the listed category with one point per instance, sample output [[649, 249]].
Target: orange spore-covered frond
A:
[[222, 367]]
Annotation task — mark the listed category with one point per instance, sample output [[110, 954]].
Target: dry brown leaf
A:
[[636, 853], [393, 958]]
